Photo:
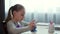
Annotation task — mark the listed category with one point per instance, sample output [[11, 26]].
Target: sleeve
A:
[[15, 30]]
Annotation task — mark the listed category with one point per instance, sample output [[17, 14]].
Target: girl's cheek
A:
[[20, 18]]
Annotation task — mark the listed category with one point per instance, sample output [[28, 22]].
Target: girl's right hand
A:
[[32, 25]]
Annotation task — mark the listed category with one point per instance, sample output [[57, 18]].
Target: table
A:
[[41, 30]]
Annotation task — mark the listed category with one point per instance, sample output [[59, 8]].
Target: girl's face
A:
[[19, 15]]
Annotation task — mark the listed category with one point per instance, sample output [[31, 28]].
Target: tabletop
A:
[[42, 30]]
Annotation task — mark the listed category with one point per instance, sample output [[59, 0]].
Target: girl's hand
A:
[[32, 25]]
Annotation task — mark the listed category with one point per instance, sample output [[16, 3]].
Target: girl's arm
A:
[[13, 29]]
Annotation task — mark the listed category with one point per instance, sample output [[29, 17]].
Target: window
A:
[[43, 10]]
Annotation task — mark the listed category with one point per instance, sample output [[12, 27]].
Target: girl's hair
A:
[[16, 7]]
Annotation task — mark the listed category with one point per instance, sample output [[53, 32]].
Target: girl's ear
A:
[[14, 13]]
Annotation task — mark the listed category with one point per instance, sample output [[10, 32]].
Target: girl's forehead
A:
[[22, 11]]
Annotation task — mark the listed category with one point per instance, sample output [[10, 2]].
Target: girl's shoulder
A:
[[10, 22]]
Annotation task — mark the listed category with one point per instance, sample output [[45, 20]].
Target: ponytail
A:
[[9, 14]]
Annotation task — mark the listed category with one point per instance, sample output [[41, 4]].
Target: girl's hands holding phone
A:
[[32, 25]]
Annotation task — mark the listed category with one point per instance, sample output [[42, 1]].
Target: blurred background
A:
[[41, 10]]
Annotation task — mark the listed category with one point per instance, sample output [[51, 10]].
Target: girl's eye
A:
[[22, 15]]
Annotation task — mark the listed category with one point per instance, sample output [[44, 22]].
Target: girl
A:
[[14, 20]]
